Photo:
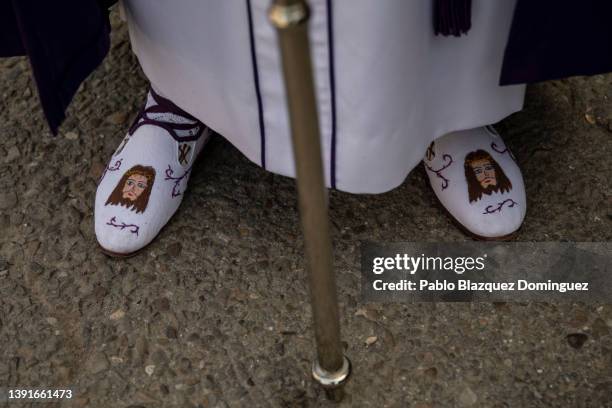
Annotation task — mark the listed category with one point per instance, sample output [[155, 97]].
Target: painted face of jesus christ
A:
[[484, 175], [484, 172], [134, 187]]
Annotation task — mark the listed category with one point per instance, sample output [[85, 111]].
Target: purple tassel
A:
[[452, 17]]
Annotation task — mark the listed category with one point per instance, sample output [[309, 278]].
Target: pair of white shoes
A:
[[472, 172]]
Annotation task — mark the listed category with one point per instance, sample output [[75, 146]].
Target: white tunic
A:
[[386, 86]]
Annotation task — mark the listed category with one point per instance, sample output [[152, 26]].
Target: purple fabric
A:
[[552, 39], [65, 41], [452, 17], [260, 112], [10, 44]]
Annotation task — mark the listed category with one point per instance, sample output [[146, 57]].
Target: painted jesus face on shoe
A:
[[484, 172], [134, 186], [484, 175], [134, 189]]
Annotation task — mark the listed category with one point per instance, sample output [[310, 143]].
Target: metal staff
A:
[[331, 368]]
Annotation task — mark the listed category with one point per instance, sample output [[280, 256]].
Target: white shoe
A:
[[143, 184], [477, 180]]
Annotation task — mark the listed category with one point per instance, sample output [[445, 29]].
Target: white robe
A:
[[385, 85]]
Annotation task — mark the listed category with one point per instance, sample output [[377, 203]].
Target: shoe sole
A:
[[120, 255], [466, 231]]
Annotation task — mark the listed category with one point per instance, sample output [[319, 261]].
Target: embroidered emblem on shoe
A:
[[430, 154], [491, 209], [133, 228], [484, 175], [176, 180], [114, 167], [134, 189], [183, 153], [448, 161]]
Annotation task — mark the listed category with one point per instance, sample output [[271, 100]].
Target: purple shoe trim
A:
[[165, 106]]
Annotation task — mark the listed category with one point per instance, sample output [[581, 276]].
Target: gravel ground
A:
[[215, 312]]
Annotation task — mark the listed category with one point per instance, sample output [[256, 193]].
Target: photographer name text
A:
[[472, 286]]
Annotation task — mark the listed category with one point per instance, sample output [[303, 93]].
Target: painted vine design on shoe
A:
[[448, 161], [108, 168], [484, 175], [133, 228], [502, 151], [494, 146], [491, 209], [134, 189], [176, 180]]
